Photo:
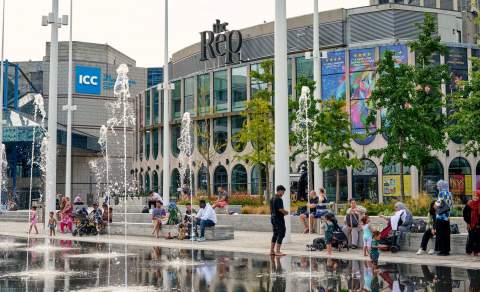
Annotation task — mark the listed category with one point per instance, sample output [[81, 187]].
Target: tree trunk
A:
[[337, 187], [209, 187], [420, 185], [267, 173], [402, 187]]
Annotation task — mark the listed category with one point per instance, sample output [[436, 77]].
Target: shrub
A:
[[258, 210], [245, 200]]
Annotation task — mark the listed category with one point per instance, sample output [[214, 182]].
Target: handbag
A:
[[352, 220]]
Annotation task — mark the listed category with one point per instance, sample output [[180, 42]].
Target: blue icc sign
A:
[[88, 80]]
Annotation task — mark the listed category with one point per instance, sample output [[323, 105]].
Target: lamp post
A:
[[282, 167], [316, 77], [51, 176], [69, 108], [1, 94]]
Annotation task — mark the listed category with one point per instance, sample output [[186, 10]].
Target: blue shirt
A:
[[446, 197]]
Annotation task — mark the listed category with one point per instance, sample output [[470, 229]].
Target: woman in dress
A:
[[471, 215]]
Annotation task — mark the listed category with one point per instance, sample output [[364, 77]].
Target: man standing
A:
[[278, 222], [206, 217]]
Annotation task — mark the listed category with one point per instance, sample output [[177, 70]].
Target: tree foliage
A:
[[332, 134], [258, 128]]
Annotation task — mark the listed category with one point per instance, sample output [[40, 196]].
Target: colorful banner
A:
[[460, 184], [362, 60], [400, 53], [456, 58], [361, 84], [391, 185], [359, 112], [478, 182], [334, 86], [334, 63]]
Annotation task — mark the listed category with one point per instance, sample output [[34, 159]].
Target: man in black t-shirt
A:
[[277, 213]]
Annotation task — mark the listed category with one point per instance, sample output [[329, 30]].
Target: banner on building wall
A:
[[400, 53], [460, 184], [334, 86], [334, 63], [391, 185], [456, 58], [478, 183], [362, 60], [361, 84]]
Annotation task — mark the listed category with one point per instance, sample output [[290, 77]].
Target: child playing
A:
[[33, 220], [367, 235], [157, 214], [52, 223], [374, 251], [329, 228]]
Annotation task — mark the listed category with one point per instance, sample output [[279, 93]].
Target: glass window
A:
[[239, 179], [365, 181], [220, 93], [147, 145], [147, 182], [140, 146], [329, 183], [203, 94], [258, 175], [161, 141], [155, 143], [155, 181], [304, 67], [176, 100], [175, 134], [203, 179], [289, 75], [156, 115], [220, 178], [175, 183], [239, 88], [203, 136], [236, 126], [220, 134], [147, 108], [432, 174], [255, 84], [188, 93], [140, 182]]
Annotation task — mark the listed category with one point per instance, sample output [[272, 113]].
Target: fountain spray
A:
[[185, 144]]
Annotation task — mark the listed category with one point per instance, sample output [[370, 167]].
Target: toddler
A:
[[52, 223], [367, 235], [33, 220], [329, 228], [374, 250]]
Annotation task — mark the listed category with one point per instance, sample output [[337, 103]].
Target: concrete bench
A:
[[218, 232]]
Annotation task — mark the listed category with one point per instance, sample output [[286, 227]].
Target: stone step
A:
[[412, 241], [218, 232]]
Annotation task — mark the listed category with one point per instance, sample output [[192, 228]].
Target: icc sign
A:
[[88, 80], [220, 42]]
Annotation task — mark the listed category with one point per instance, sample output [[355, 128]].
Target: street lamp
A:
[[51, 176], [69, 108], [1, 96]]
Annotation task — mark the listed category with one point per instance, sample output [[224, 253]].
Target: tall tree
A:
[[394, 94], [333, 135], [258, 128], [465, 121], [299, 139], [428, 77]]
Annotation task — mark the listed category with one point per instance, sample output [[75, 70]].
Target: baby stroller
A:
[[339, 239], [84, 224], [389, 239]]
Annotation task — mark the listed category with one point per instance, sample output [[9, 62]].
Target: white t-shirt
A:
[[156, 197]]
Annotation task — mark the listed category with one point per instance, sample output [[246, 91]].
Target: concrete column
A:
[[282, 169], [166, 115], [51, 176], [414, 181], [317, 78]]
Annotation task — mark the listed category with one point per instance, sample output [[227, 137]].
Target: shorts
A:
[[367, 242]]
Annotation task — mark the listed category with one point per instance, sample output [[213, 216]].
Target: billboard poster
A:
[[361, 84], [359, 113], [400, 53], [362, 60], [456, 58], [334, 86], [391, 185], [334, 63], [457, 184]]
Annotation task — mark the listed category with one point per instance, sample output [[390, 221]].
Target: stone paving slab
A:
[[257, 243]]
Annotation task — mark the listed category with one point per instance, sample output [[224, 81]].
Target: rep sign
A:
[[88, 80], [220, 42]]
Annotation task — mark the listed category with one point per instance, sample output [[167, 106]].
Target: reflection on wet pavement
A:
[[39, 265]]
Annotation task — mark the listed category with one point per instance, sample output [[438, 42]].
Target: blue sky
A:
[[136, 27]]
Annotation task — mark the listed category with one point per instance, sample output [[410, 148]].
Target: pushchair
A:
[[84, 224], [339, 239], [389, 239]]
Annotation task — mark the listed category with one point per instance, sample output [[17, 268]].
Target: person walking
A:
[[442, 219], [277, 219], [430, 232], [471, 215]]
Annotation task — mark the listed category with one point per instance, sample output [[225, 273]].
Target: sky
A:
[[135, 27]]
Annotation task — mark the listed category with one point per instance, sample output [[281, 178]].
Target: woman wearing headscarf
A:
[[442, 222], [471, 215]]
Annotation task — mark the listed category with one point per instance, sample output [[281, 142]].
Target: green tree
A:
[[258, 128], [298, 135], [394, 94], [333, 135], [465, 121], [428, 77]]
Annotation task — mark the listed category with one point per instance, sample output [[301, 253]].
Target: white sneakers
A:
[[421, 251]]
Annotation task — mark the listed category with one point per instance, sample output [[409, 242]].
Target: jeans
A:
[[425, 238], [203, 224]]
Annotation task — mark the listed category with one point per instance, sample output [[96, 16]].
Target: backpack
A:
[[454, 229], [317, 244], [352, 220], [418, 226]]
